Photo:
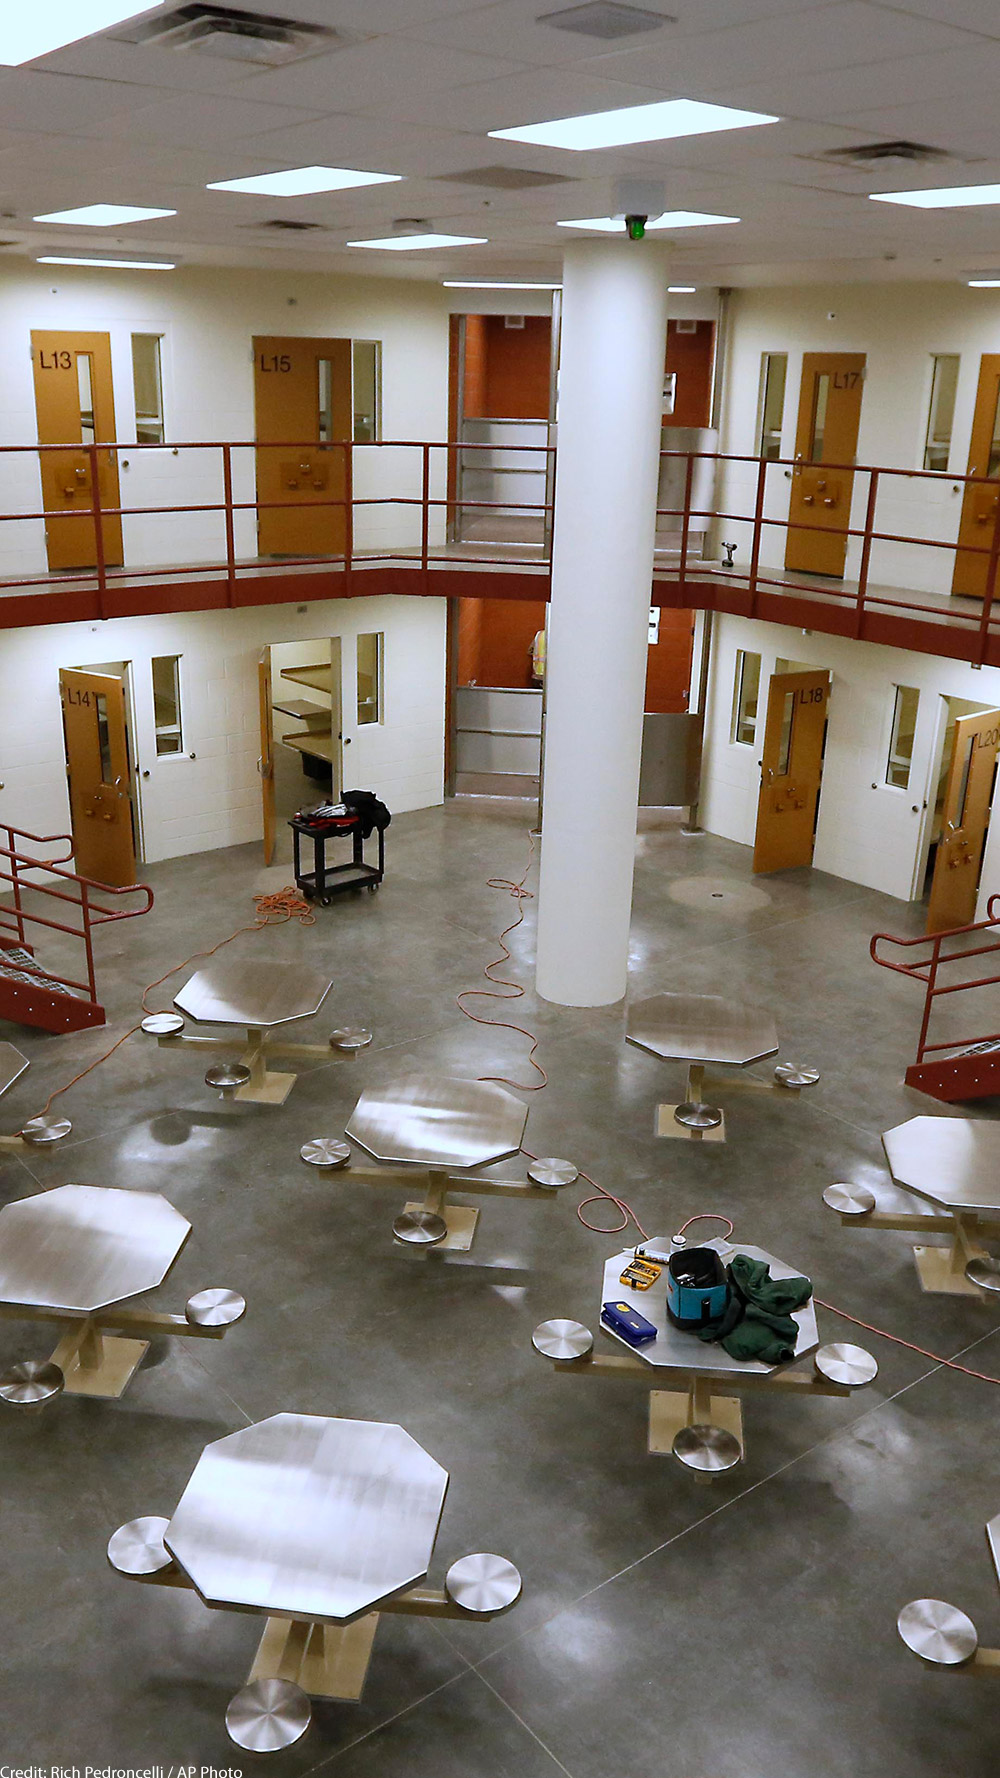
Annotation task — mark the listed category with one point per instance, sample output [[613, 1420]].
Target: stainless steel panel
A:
[[253, 993], [84, 1247], [441, 1122], [309, 1517], [671, 760], [954, 1161], [509, 755], [503, 708], [12, 1066], [673, 1345], [701, 1028], [673, 477]]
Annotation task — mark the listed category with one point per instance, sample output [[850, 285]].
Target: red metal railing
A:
[[692, 579], [927, 969], [20, 869]]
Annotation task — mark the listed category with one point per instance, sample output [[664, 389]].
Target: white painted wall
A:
[[207, 319], [867, 831], [899, 327], [213, 799]]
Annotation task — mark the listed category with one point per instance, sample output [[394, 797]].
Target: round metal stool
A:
[[984, 1270], [708, 1449], [268, 1714], [850, 1366], [138, 1547], [562, 1339], [163, 1024], [552, 1171], [420, 1228], [790, 1074], [849, 1200], [350, 1037], [31, 1383], [215, 1308], [938, 1632], [696, 1116], [227, 1077], [41, 1130], [483, 1585], [325, 1151]]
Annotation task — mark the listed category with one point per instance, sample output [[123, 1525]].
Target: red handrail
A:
[[927, 968], [15, 866]]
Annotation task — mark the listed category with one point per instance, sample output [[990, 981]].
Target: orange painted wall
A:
[[668, 673], [494, 640], [507, 368], [690, 355]]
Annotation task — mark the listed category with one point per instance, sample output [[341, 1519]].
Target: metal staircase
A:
[[38, 891], [952, 1068]]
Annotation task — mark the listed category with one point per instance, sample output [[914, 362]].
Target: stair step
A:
[[18, 965], [990, 1048]]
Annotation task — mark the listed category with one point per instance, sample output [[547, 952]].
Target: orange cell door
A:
[[968, 795], [790, 770], [97, 767], [980, 505], [826, 440], [302, 393], [74, 403]]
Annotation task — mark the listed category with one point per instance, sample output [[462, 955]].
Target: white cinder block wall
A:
[[213, 799], [867, 831]]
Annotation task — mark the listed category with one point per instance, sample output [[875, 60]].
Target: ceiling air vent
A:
[[236, 36], [606, 20], [286, 225], [503, 178], [884, 154]]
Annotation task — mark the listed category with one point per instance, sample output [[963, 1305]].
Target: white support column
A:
[[610, 388]]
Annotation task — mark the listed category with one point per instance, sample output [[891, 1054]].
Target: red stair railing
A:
[[19, 869], [928, 967]]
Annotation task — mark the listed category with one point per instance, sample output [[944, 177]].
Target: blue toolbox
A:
[[697, 1287], [622, 1319]]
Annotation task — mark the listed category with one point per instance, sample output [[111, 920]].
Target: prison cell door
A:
[[98, 773], [966, 817], [265, 763], [980, 505], [827, 434], [302, 393], [74, 404], [790, 770]]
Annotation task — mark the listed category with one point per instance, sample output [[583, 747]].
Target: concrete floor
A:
[[668, 1629]]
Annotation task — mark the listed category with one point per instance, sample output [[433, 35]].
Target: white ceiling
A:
[[107, 121]]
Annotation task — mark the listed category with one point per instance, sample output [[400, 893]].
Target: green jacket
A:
[[758, 1322]]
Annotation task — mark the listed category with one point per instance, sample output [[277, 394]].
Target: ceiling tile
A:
[[374, 74], [832, 95], [523, 98], [30, 100], [201, 120]]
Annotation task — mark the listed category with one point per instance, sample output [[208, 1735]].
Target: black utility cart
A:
[[325, 880]]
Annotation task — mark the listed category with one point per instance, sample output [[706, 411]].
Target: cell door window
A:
[[746, 690], [366, 376], [773, 372], [993, 462], [370, 652], [147, 383], [817, 433], [324, 375], [904, 727], [85, 386], [941, 412], [166, 671]]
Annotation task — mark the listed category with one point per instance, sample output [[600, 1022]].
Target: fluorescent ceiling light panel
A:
[[408, 243], [481, 284], [659, 122], [299, 182], [104, 215], [615, 225], [944, 197], [132, 265], [27, 32], [681, 289], [984, 283]]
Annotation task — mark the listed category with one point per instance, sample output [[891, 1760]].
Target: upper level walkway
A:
[[391, 523]]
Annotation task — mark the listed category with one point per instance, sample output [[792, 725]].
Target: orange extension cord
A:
[[272, 910], [514, 989]]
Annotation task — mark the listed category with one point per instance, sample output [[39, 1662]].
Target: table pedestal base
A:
[[667, 1125], [670, 1410], [265, 1089], [94, 1365], [461, 1220], [941, 1270], [326, 1660]]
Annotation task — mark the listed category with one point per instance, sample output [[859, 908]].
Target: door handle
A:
[[809, 500]]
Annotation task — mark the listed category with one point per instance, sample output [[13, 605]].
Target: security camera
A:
[[635, 227]]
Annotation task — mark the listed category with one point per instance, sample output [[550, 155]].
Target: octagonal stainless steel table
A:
[[318, 1525], [256, 994], [441, 1123], [76, 1253], [699, 1029], [12, 1066], [953, 1164], [681, 1357]]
